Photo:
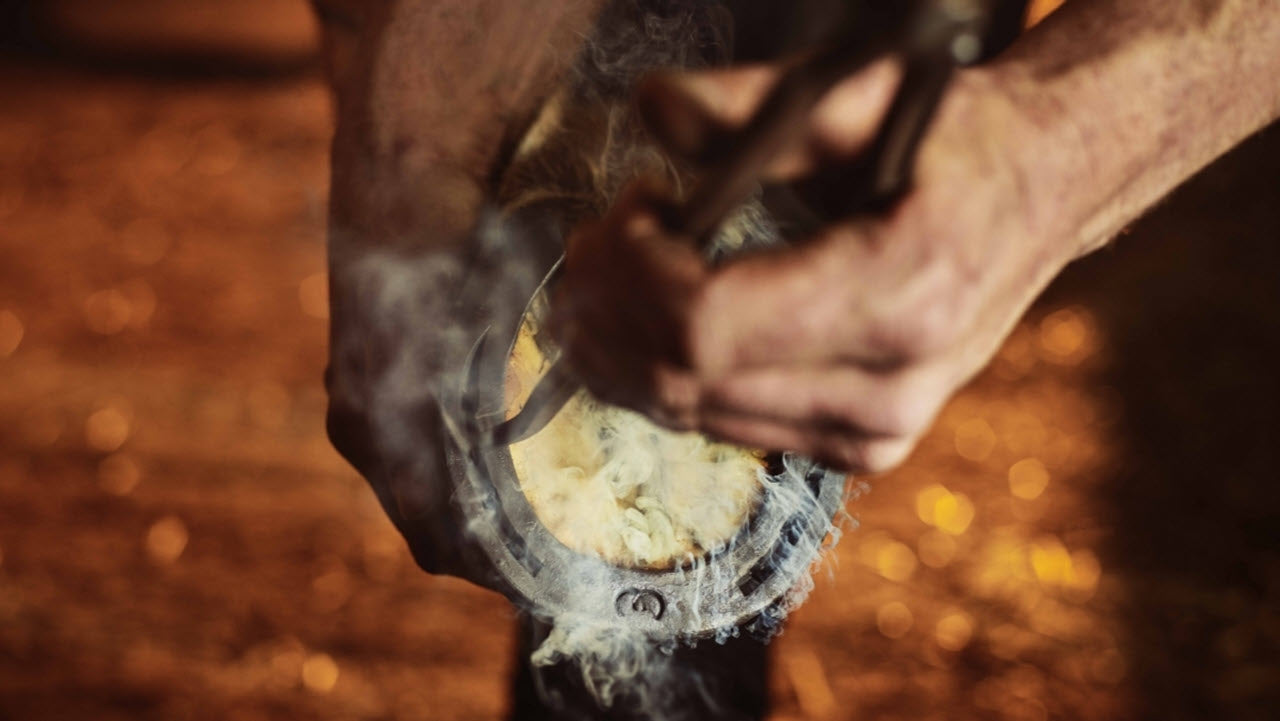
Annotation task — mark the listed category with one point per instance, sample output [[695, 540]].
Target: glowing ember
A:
[[11, 333], [894, 619], [1028, 479], [142, 302], [332, 587], [107, 429], [319, 673], [118, 474], [166, 540], [954, 631], [975, 439], [1066, 336], [895, 561], [144, 241], [107, 312], [944, 510], [935, 548]]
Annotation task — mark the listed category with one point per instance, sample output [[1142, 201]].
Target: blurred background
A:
[[1092, 529]]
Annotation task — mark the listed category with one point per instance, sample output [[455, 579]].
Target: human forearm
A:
[[1127, 98], [845, 345]]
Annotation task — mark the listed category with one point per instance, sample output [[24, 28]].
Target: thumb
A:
[[692, 114]]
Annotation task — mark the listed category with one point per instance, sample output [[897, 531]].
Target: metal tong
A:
[[933, 38]]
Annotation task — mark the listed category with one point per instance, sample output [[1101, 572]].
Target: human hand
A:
[[844, 345]]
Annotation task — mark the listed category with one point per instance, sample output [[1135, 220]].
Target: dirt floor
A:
[[1091, 531]]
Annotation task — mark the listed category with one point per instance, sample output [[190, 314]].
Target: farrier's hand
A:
[[844, 345]]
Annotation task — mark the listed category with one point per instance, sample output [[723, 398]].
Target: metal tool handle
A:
[[935, 38]]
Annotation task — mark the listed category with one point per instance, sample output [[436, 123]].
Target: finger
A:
[[845, 399], [696, 114], [841, 450]]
